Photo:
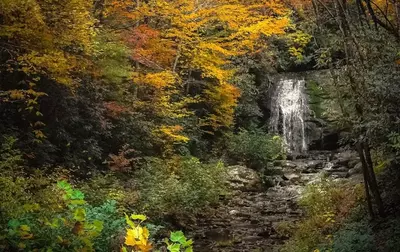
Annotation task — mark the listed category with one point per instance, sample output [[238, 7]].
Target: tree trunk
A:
[[366, 180], [374, 184]]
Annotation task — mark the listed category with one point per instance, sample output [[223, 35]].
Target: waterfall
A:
[[288, 113]]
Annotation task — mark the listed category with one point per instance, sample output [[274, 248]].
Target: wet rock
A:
[[288, 164], [292, 177], [244, 179], [346, 158], [358, 166], [339, 174], [218, 234], [341, 162], [275, 180], [265, 233], [233, 212], [294, 156], [346, 154], [341, 169], [357, 169], [352, 163], [315, 164], [324, 139]]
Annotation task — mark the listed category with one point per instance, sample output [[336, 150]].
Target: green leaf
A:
[[190, 249], [63, 185], [98, 225], [13, 223], [77, 202], [178, 236], [140, 217], [79, 214], [174, 247], [54, 223], [129, 221], [77, 195], [31, 207], [187, 243]]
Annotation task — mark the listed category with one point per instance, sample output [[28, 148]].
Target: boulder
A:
[[340, 169], [357, 169], [315, 164], [323, 139], [339, 174], [352, 163], [274, 180], [244, 179], [288, 164], [344, 158], [291, 177]]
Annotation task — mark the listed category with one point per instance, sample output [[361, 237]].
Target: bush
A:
[[183, 186], [110, 187], [79, 226], [75, 225], [354, 237], [327, 204], [388, 234], [255, 148]]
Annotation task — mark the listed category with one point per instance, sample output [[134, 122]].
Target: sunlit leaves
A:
[[177, 242], [172, 133], [157, 80], [137, 236], [183, 36], [79, 214], [39, 33]]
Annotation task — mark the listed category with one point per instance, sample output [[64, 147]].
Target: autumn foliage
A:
[[171, 40]]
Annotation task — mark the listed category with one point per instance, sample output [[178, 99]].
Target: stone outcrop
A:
[[244, 179]]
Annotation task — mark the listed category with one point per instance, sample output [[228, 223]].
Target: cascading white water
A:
[[288, 113]]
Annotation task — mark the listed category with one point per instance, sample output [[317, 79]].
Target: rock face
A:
[[247, 221], [244, 179], [357, 169], [321, 137]]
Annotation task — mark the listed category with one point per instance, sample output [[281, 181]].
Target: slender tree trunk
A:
[[374, 184], [366, 180]]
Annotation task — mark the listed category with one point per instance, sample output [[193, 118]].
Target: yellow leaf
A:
[[25, 228]]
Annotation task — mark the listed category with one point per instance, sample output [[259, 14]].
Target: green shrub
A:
[[10, 157], [79, 226], [184, 186], [327, 204], [255, 148], [63, 230], [354, 237], [389, 234], [113, 225], [110, 187]]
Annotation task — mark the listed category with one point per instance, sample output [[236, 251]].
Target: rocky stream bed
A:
[[248, 219]]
